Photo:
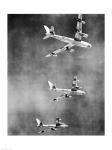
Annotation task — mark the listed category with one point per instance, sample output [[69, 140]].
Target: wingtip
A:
[[48, 55]]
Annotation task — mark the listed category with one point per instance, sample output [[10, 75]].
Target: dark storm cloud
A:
[[29, 71]]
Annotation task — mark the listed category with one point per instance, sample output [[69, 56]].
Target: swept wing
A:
[[65, 48], [62, 96]]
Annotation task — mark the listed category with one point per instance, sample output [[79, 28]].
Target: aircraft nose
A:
[[66, 125], [83, 93]]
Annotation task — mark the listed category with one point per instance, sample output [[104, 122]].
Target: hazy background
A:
[[28, 72]]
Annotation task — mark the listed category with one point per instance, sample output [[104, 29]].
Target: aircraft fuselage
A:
[[69, 92], [71, 41], [55, 126]]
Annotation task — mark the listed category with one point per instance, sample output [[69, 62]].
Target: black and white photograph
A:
[[56, 74]]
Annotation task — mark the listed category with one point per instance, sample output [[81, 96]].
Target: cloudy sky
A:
[[29, 70]]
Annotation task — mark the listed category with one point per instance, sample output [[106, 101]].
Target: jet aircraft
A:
[[71, 42], [52, 127], [67, 93]]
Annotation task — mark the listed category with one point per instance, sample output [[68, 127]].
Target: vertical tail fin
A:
[[58, 120], [46, 29], [51, 86]]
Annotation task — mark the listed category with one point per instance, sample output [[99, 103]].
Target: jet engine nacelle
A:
[[79, 20], [72, 50], [66, 96], [83, 22], [84, 35], [55, 55], [69, 50]]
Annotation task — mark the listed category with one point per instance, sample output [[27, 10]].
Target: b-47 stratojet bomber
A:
[[52, 127], [67, 93], [71, 42]]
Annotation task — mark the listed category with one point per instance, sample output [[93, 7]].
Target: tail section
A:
[[39, 123], [49, 32], [79, 19], [47, 29], [74, 83], [51, 86], [58, 120]]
